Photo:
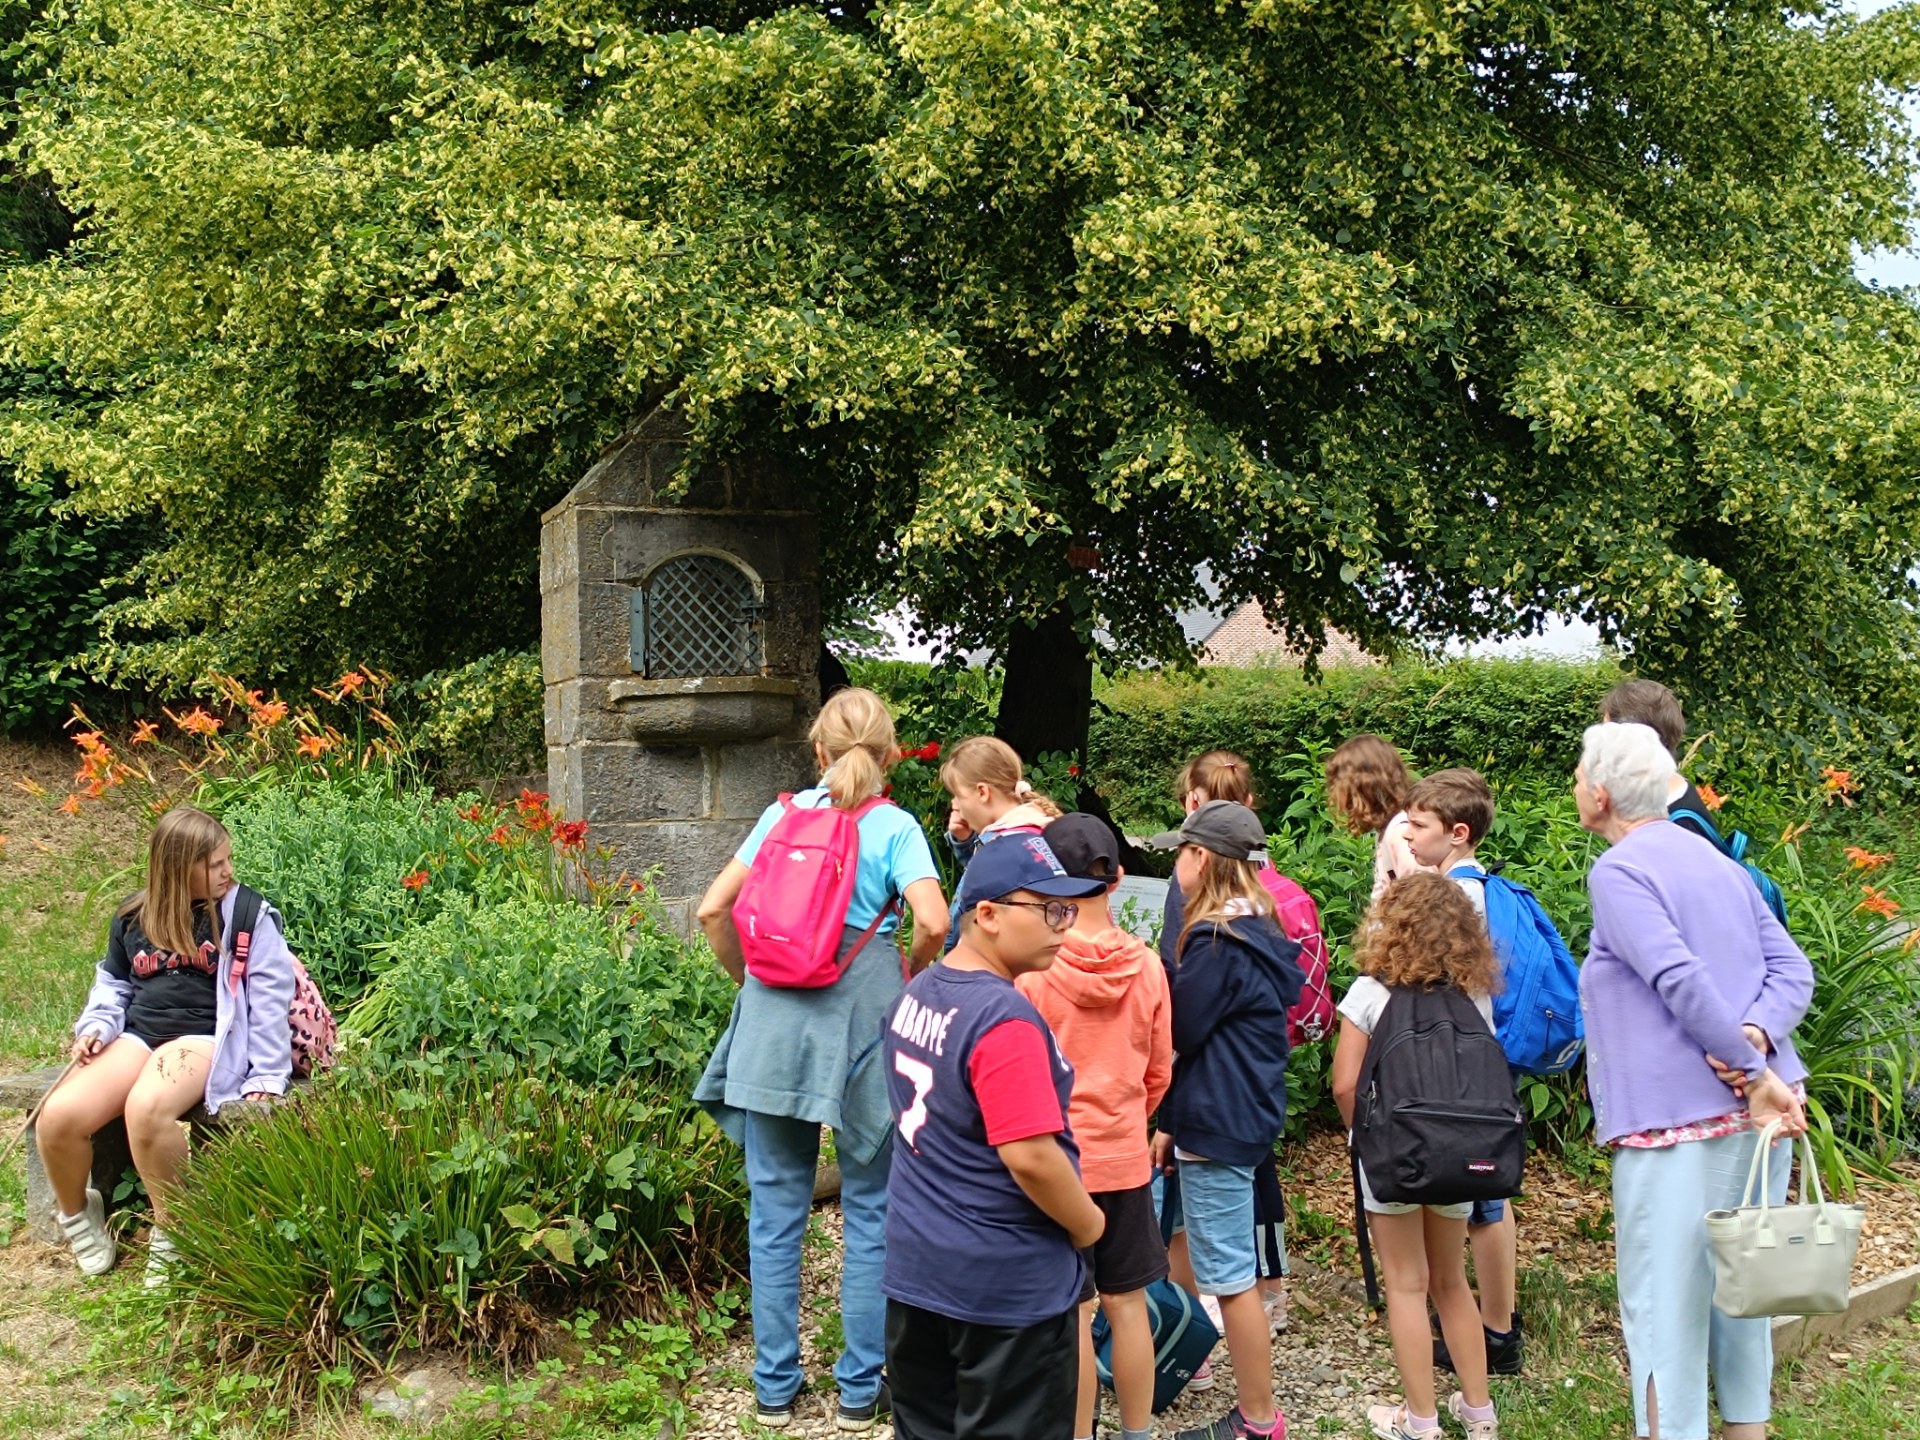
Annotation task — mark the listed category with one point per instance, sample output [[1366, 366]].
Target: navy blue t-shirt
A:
[[968, 1064]]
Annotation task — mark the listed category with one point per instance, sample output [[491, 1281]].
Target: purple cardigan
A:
[[1684, 953], [252, 1037]]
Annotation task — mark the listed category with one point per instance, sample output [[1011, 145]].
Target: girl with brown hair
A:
[[1367, 785], [171, 1023], [1422, 933]]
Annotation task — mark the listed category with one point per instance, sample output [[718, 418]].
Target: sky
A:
[[1573, 637]]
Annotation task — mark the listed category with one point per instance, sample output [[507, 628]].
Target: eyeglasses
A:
[[1060, 914]]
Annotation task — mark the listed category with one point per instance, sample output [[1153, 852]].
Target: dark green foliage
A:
[[941, 703], [483, 719], [1502, 716], [57, 571], [546, 988], [464, 1211]]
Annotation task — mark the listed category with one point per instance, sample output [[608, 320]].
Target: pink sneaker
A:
[[1203, 1377]]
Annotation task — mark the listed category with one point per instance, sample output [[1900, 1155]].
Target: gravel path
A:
[[1330, 1362]]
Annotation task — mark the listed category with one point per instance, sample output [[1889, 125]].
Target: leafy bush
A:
[[548, 988], [485, 718], [383, 1214], [1503, 716]]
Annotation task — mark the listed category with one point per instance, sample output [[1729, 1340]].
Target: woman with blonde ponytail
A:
[[792, 1060]]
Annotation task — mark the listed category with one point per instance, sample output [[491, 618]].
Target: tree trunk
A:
[[1046, 702]]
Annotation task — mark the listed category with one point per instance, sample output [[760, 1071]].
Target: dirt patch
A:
[[36, 1340], [37, 833]]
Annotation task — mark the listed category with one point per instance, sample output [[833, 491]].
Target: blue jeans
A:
[[781, 1156]]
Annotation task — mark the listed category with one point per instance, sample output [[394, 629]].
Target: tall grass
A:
[[465, 1212]]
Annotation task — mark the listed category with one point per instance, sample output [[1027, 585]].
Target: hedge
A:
[[1500, 716]]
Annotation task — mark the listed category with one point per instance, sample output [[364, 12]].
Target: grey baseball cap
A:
[[1222, 826]]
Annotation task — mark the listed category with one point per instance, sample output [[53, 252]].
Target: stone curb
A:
[[1884, 1299]]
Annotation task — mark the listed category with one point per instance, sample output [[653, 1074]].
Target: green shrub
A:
[[485, 718], [382, 1214], [942, 703], [548, 988], [354, 860], [1506, 717]]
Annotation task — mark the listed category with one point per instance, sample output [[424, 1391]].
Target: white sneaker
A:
[[160, 1259], [1476, 1429], [87, 1235]]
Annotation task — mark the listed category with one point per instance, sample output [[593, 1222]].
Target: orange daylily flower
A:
[[89, 741], [416, 881], [70, 805], [1839, 784], [312, 747], [350, 683], [1710, 797], [267, 714], [145, 733], [570, 834], [1878, 903], [1866, 859], [501, 835], [472, 813], [196, 721]]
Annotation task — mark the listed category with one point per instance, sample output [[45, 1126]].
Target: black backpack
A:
[[1435, 1117]]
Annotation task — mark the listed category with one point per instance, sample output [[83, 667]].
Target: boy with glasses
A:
[[986, 1214]]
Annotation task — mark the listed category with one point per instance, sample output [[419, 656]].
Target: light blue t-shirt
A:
[[893, 854]]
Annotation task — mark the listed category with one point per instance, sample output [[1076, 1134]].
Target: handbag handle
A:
[[1760, 1168]]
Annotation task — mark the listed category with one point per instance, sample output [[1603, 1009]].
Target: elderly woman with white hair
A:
[[1691, 992]]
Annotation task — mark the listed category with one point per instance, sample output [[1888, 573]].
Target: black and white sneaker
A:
[[854, 1418], [778, 1417]]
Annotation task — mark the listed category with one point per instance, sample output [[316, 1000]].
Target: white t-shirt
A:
[[1367, 997], [1476, 890]]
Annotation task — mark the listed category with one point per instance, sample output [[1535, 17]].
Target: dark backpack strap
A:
[[1360, 1234], [246, 915]]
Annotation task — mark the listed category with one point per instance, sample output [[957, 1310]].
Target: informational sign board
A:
[[1138, 905]]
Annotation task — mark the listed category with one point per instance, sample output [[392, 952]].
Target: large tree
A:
[[1422, 318]]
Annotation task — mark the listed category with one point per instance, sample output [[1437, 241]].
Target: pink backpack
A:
[[314, 1032], [1311, 1016], [793, 907]]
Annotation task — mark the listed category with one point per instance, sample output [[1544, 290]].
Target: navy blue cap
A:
[[1020, 862]]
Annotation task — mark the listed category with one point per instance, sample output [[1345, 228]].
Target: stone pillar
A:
[[671, 769]]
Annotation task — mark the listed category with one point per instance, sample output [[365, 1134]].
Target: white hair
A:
[[1631, 765]]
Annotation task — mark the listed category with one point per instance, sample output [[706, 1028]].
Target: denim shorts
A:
[[1216, 1201]]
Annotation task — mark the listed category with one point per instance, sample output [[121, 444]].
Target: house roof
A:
[[1243, 637]]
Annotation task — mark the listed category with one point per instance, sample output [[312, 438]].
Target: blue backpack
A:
[[1537, 1012], [1183, 1337], [1734, 847]]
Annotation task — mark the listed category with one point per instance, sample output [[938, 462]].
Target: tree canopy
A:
[[1421, 318]]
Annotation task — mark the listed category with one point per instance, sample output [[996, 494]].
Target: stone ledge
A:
[[1883, 1299]]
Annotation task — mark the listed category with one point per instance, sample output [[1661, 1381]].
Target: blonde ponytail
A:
[[855, 732]]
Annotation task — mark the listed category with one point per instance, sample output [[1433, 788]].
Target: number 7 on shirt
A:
[[919, 1075]]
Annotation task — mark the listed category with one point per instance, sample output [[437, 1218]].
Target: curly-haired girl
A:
[[1367, 785], [1422, 933]]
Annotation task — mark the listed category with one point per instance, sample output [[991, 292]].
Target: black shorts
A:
[[955, 1380], [1129, 1255]]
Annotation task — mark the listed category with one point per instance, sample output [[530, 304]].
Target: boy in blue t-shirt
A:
[[986, 1215]]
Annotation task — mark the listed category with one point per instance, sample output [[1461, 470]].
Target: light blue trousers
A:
[[781, 1156], [1665, 1271]]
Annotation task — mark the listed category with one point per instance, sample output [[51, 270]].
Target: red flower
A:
[[570, 834], [472, 813], [1710, 797], [928, 751], [501, 835], [416, 881], [534, 814], [1879, 904], [1074, 771]]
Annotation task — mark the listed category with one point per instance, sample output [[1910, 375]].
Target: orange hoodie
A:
[[1105, 996]]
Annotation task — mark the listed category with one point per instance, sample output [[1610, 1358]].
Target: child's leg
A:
[[1496, 1262], [171, 1083], [863, 1255], [1133, 1369], [1087, 1397], [1400, 1241], [1218, 1203], [1446, 1266], [781, 1155], [88, 1099], [1180, 1263], [1015, 1384]]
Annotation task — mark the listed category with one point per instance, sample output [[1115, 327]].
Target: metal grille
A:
[[696, 615]]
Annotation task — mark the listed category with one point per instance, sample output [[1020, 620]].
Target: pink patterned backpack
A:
[[793, 906], [314, 1032], [1311, 1016]]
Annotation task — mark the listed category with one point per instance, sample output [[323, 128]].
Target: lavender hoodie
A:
[[1684, 953], [252, 1038]]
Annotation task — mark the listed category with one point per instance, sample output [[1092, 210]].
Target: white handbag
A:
[[1783, 1259]]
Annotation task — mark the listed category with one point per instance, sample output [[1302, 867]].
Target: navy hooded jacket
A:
[[1231, 991]]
